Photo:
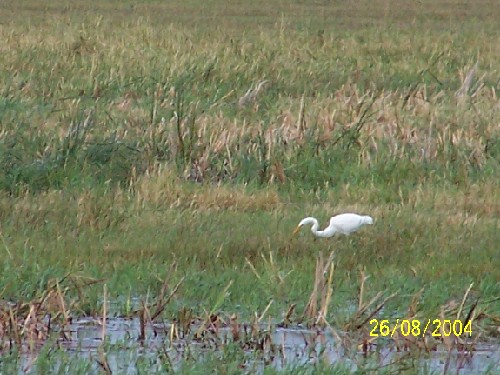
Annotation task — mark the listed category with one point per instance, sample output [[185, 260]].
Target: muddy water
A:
[[278, 347]]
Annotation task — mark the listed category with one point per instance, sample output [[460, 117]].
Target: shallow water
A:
[[277, 347]]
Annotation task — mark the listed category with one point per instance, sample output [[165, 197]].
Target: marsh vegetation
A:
[[155, 158]]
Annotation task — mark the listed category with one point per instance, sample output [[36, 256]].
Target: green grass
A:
[[132, 251], [126, 160]]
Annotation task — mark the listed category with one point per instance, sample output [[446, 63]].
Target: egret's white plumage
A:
[[343, 224]]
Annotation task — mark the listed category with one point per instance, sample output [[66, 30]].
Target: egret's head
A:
[[307, 220], [368, 220], [297, 230]]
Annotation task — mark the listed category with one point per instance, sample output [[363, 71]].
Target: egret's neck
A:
[[315, 227], [327, 232]]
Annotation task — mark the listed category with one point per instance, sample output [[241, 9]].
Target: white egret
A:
[[344, 224]]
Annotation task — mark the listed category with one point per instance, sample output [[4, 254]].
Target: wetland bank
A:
[[155, 159]]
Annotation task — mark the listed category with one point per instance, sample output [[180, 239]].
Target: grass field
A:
[[148, 145]]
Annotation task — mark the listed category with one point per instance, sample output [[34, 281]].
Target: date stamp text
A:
[[416, 328]]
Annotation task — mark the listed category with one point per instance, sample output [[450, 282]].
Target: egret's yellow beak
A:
[[297, 230]]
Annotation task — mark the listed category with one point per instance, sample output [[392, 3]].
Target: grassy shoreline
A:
[[146, 144]]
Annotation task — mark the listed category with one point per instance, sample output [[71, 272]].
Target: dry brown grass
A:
[[163, 188]]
